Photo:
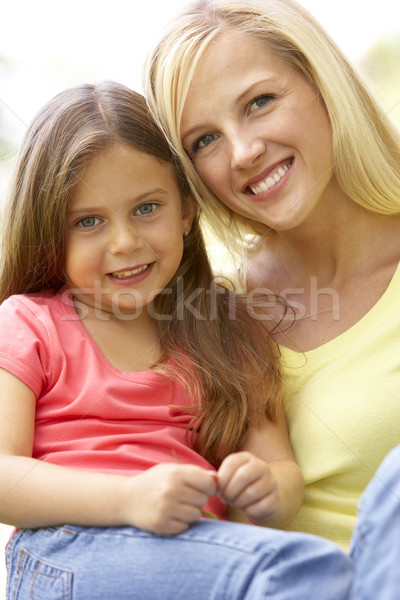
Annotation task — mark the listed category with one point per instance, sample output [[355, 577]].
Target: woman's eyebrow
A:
[[198, 128]]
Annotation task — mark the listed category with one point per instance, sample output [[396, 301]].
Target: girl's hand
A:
[[167, 498], [246, 482]]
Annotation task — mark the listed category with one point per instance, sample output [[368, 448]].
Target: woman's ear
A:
[[189, 210]]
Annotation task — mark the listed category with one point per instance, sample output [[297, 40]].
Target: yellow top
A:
[[343, 407]]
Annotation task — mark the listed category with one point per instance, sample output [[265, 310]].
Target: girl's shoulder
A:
[[46, 310], [32, 303], [30, 337]]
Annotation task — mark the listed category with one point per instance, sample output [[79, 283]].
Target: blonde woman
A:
[[281, 139]]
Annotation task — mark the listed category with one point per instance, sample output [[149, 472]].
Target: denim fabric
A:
[[375, 546], [212, 560]]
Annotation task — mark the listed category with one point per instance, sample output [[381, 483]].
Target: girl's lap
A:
[[212, 560]]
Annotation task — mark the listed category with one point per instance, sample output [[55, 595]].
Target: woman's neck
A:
[[331, 277], [334, 249]]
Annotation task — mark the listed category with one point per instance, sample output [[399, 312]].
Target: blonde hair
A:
[[366, 144], [223, 353]]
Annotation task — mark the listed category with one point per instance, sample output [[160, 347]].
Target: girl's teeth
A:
[[270, 181], [124, 274]]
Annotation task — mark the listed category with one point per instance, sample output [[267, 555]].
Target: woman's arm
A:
[[263, 483], [165, 499]]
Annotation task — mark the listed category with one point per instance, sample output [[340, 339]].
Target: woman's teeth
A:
[[124, 274], [270, 181]]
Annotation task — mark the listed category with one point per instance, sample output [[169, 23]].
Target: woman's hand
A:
[[247, 483], [167, 498]]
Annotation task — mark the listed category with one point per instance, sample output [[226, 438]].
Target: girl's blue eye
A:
[[204, 141], [88, 222], [260, 102], [146, 209]]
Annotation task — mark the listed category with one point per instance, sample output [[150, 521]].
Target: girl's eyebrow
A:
[[81, 211], [94, 209]]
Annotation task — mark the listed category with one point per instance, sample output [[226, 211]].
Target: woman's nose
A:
[[125, 239], [246, 149]]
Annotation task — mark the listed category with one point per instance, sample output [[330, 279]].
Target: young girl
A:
[[135, 391]]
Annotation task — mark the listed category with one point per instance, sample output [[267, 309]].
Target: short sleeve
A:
[[23, 343]]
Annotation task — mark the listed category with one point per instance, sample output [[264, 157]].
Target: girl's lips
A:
[[269, 178], [134, 275]]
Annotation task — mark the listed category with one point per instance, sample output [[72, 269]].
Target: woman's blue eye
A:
[[146, 209], [260, 101], [88, 222], [206, 140]]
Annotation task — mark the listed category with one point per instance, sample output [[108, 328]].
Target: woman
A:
[[281, 139]]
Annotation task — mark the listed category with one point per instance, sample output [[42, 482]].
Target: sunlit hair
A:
[[235, 363], [366, 144]]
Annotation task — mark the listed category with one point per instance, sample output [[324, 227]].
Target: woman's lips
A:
[[269, 180]]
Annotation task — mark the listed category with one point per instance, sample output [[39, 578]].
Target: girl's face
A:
[[257, 133], [125, 230]]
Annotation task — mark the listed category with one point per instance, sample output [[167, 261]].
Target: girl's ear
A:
[[189, 210]]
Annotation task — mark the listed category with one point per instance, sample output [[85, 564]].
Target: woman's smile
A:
[[265, 182], [262, 140]]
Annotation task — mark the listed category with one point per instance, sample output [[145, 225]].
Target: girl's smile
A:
[[126, 221], [132, 275]]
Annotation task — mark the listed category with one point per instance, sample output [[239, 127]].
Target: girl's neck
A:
[[129, 344]]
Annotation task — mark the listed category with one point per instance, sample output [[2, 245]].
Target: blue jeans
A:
[[211, 561], [214, 560], [375, 547]]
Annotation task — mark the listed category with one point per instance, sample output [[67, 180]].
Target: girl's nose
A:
[[124, 239], [246, 149]]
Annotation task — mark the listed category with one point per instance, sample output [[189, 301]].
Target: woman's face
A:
[[258, 134]]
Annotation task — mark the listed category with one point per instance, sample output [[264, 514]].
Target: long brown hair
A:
[[223, 353]]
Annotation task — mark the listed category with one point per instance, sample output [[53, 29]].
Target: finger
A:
[[263, 509], [171, 526], [244, 476], [193, 497], [174, 517], [228, 469], [201, 480], [257, 491], [187, 512], [237, 487]]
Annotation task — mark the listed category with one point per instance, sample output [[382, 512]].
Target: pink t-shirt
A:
[[90, 415]]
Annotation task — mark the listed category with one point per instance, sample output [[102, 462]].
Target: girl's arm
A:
[[164, 499], [263, 483]]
